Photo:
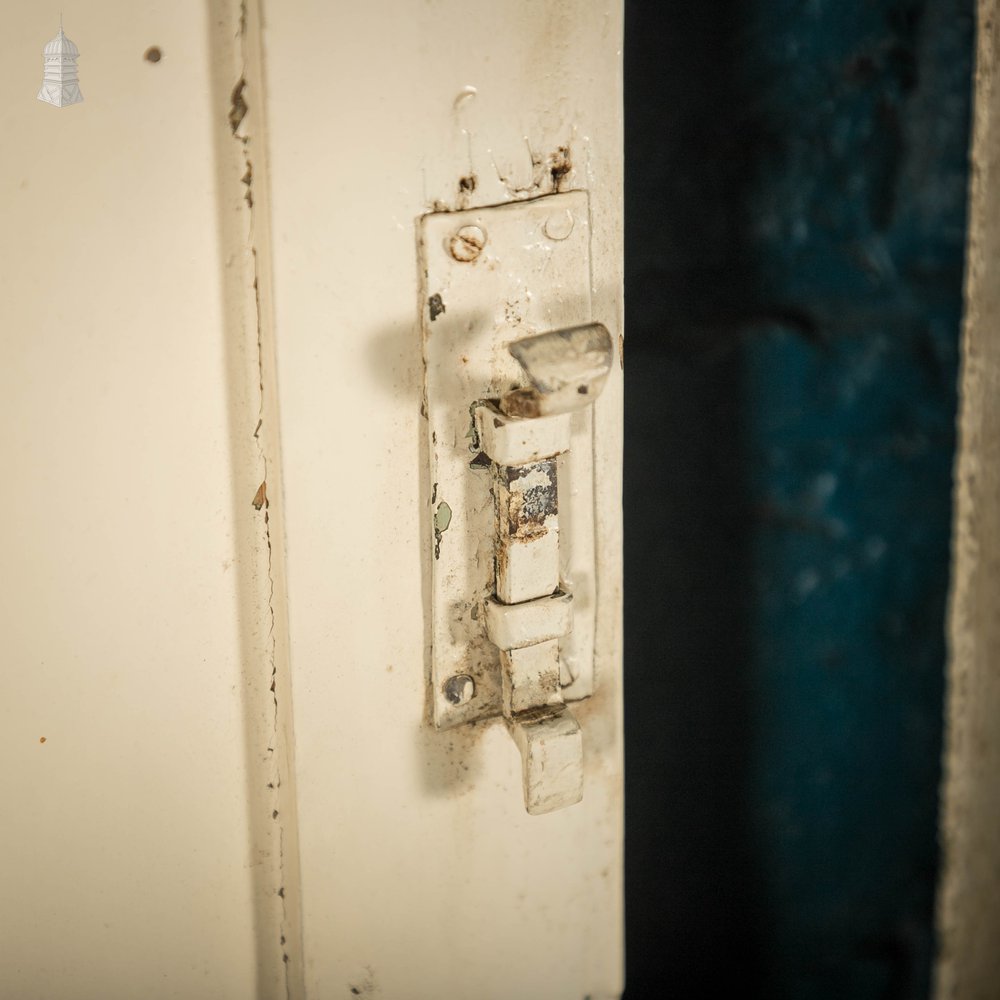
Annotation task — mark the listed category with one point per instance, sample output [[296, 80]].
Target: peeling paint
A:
[[237, 106], [532, 497], [239, 109], [560, 165], [247, 179], [549, 174], [442, 518]]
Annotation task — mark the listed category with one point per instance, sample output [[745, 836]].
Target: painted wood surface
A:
[[218, 515]]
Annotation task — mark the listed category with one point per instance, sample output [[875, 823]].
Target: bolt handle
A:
[[523, 433], [566, 370]]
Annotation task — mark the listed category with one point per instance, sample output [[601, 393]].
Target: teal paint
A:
[[858, 226], [802, 304]]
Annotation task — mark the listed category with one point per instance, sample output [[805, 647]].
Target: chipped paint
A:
[[237, 106], [550, 173], [531, 495], [527, 540], [271, 747], [435, 306], [442, 519]]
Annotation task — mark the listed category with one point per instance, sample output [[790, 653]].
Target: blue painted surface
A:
[[858, 224], [799, 293]]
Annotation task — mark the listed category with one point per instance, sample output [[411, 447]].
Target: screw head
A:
[[459, 689], [559, 225], [467, 244]]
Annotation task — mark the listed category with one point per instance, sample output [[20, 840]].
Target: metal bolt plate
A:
[[523, 280]]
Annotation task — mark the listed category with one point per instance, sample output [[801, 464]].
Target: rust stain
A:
[[260, 497], [467, 244], [560, 164], [549, 174], [41, 739]]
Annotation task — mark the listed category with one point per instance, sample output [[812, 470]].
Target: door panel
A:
[[216, 608]]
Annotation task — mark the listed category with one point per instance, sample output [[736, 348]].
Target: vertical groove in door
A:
[[239, 127]]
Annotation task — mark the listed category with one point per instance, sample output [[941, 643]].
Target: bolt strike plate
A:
[[524, 269]]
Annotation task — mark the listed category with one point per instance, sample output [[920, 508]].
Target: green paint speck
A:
[[442, 518]]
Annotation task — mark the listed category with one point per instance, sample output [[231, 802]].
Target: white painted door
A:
[[224, 778]]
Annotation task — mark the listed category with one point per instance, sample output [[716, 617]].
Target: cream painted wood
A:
[[140, 852], [202, 239], [422, 874], [125, 832]]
